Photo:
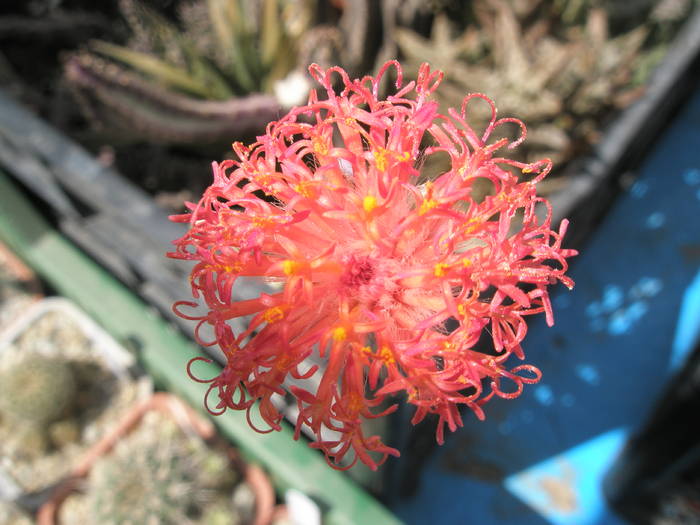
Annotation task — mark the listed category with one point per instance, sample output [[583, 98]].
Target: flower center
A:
[[359, 271], [370, 279]]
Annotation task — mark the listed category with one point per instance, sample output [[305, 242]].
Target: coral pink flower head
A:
[[372, 260]]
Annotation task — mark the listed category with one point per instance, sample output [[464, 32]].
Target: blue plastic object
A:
[[619, 336]]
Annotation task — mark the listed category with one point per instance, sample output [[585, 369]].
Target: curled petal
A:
[[376, 81], [191, 374], [519, 123]]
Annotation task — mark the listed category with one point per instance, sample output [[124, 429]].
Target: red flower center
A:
[[359, 271]]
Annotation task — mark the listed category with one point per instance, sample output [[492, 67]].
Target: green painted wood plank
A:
[[164, 353]]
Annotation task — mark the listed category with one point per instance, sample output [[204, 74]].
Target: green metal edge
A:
[[165, 353]]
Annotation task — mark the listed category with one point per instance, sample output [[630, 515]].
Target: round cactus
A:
[[37, 390], [140, 485], [153, 476]]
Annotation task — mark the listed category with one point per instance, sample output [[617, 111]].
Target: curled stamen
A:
[[496, 386], [523, 130], [191, 304], [378, 79], [220, 407], [528, 368], [492, 106], [191, 375]]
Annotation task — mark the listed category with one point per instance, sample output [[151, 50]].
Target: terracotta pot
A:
[[189, 421], [20, 270], [22, 274]]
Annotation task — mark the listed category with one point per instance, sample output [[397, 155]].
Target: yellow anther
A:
[[369, 203], [404, 156], [339, 334], [356, 403], [306, 189], [366, 350], [263, 178], [527, 169], [471, 225], [466, 262], [234, 267], [274, 314], [261, 222], [290, 267], [319, 146], [283, 363], [427, 205], [380, 159], [386, 355], [462, 310], [440, 268]]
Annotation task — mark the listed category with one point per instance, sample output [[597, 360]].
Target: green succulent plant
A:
[[206, 78], [220, 48], [559, 66], [37, 390], [157, 475]]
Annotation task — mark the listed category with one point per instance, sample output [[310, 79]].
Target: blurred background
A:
[[111, 113]]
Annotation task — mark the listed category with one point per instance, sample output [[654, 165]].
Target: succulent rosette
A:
[[387, 273]]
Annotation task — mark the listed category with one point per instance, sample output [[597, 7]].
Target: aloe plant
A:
[[220, 48], [128, 105], [559, 65], [207, 78]]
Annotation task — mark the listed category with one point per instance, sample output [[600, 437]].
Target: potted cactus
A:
[[63, 382], [37, 396], [161, 464]]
